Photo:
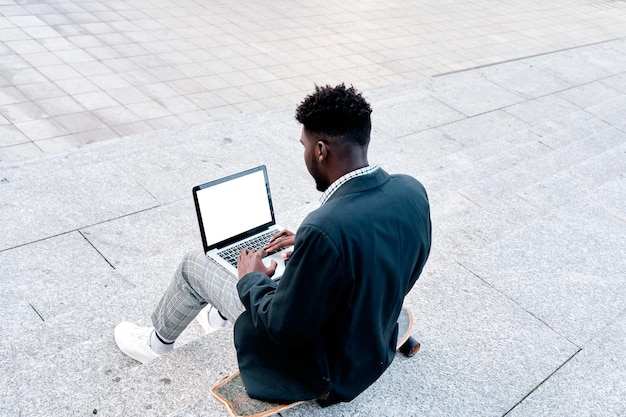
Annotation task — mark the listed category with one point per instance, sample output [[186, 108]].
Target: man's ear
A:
[[322, 151]]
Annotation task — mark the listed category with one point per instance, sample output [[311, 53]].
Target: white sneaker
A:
[[134, 341], [211, 320]]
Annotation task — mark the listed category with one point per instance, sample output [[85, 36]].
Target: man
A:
[[327, 330]]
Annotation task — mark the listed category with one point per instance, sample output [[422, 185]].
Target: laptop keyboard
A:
[[257, 242]]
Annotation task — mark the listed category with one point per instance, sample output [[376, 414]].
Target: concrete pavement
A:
[[521, 310], [77, 72]]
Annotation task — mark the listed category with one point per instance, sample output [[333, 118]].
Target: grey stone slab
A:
[[492, 126], [557, 133], [523, 79], [65, 364], [471, 361], [417, 150], [95, 376], [593, 383], [165, 232], [543, 109], [611, 197], [609, 56], [405, 118], [461, 227], [571, 185], [63, 198], [611, 111], [487, 178], [172, 381], [571, 66], [591, 94], [471, 94], [51, 274], [535, 170], [567, 270], [617, 82]]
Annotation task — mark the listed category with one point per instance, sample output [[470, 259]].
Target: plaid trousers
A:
[[198, 281]]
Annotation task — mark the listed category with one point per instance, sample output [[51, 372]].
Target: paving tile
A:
[[179, 104], [40, 129], [26, 21], [115, 116], [58, 106], [11, 95], [133, 128], [41, 32], [140, 77], [10, 135], [21, 112], [27, 46], [96, 100], [13, 34], [148, 110], [59, 72], [207, 100], [55, 19], [186, 86], [77, 85], [91, 68], [109, 81], [22, 76], [119, 65], [20, 152], [97, 135], [79, 122], [57, 44], [168, 122], [58, 144]]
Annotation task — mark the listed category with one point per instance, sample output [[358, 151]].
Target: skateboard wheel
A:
[[410, 347]]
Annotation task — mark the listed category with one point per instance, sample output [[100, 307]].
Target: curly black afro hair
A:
[[339, 111]]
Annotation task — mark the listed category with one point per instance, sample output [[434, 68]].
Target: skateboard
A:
[[232, 392]]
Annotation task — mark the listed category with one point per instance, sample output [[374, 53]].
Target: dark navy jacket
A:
[[328, 329]]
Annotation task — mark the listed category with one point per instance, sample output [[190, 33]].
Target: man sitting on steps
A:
[[327, 329]]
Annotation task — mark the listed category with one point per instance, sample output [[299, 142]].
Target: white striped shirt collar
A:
[[344, 179]]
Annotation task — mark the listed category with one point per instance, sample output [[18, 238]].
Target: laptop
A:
[[236, 212]]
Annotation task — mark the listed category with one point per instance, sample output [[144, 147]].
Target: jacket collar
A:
[[361, 183]]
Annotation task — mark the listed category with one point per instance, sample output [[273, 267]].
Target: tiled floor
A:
[[74, 72]]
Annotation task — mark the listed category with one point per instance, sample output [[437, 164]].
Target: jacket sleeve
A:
[[294, 311]]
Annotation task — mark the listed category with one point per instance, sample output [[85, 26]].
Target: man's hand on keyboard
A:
[[280, 240], [250, 261]]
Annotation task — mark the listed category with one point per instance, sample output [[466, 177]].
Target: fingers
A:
[[250, 261], [280, 240], [283, 233], [271, 270]]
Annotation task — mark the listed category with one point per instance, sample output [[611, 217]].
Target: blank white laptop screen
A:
[[234, 207]]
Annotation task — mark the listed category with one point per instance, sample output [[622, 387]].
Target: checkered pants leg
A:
[[197, 281]]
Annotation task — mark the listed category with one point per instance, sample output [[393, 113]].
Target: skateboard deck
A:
[[232, 392]]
